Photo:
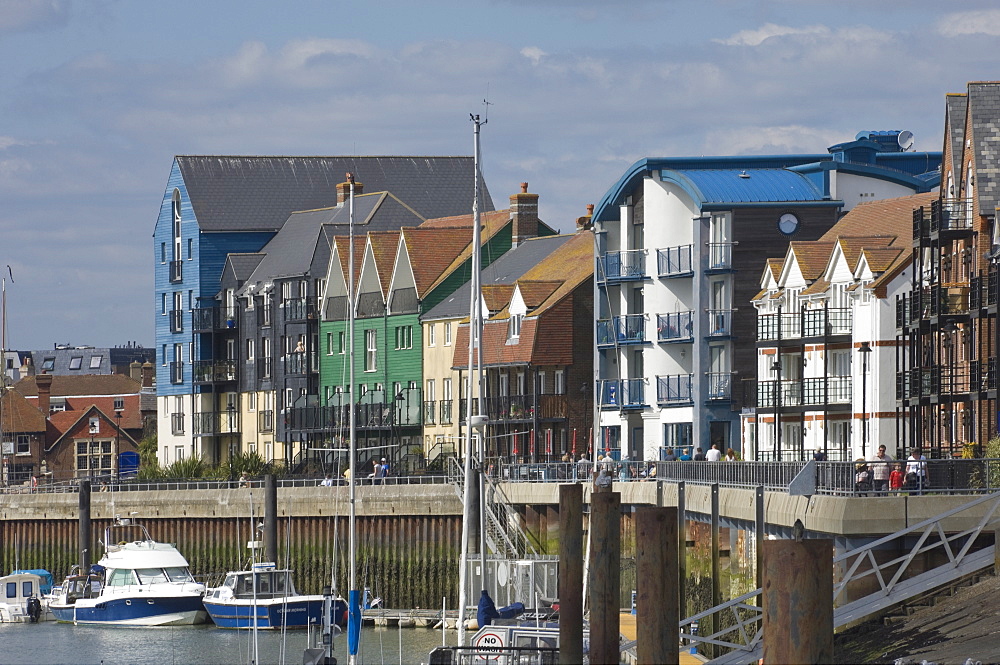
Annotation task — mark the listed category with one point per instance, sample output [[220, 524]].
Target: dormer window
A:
[[514, 327]]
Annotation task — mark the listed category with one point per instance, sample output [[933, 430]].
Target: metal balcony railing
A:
[[627, 265], [720, 385], [176, 320], [622, 393], [827, 322], [265, 420], [676, 327], [771, 328], [215, 422], [720, 322], [177, 371], [720, 255], [299, 309], [951, 215], [791, 393], [446, 414], [826, 390], [300, 363], [628, 329], [430, 412], [674, 261], [674, 389], [176, 271], [214, 371]]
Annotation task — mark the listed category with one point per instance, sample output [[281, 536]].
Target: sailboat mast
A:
[[3, 366], [475, 369], [354, 612]]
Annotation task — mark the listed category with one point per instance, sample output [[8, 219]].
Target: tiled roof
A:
[[775, 266], [343, 248], [817, 287], [492, 224], [571, 264], [246, 193], [86, 384], [812, 257], [888, 217], [880, 259], [384, 246], [984, 109], [497, 296], [852, 247], [18, 415], [535, 292], [432, 250]]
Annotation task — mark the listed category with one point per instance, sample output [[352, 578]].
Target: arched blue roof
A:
[[741, 186]]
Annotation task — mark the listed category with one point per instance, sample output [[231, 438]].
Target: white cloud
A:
[[786, 139], [533, 53], [25, 15], [982, 22], [769, 30]]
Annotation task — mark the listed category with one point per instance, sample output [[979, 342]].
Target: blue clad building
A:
[[681, 245]]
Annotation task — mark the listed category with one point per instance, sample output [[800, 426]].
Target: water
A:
[[51, 643]]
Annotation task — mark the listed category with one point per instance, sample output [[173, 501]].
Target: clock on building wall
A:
[[788, 223]]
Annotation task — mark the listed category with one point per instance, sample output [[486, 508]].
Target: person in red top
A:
[[897, 478]]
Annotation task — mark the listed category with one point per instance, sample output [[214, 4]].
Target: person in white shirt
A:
[[916, 470], [713, 454]]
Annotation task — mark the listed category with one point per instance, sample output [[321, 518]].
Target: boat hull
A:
[[144, 611], [272, 614]]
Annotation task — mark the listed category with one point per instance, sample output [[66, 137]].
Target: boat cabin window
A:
[[27, 589], [121, 577], [230, 581], [12, 589], [151, 575], [179, 574]]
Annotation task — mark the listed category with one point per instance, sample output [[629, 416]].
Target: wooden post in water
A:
[[86, 537], [271, 519], [571, 574], [682, 550], [798, 601], [657, 614], [713, 621], [605, 576]]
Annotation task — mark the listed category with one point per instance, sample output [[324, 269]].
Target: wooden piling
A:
[[657, 602], [85, 537], [798, 601], [270, 518], [605, 577], [571, 574]]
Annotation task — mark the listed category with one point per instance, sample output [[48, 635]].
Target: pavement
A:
[[626, 627], [954, 629]]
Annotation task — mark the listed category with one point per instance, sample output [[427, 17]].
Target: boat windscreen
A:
[[151, 575], [179, 574]]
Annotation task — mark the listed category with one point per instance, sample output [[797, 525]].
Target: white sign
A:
[[489, 640], [7, 448]]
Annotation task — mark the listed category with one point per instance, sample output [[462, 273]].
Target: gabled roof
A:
[[811, 257], [84, 384], [246, 193], [880, 218], [852, 247], [432, 249], [984, 116], [497, 296], [67, 422], [343, 252], [535, 292], [879, 259], [18, 415], [239, 267], [384, 245]]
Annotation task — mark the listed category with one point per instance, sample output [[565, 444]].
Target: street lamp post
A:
[[865, 350], [776, 367]]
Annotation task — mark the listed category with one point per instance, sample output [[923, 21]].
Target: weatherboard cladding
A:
[[748, 186], [984, 106], [243, 193]]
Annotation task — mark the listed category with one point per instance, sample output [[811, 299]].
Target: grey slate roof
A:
[[984, 104], [242, 193], [302, 246], [955, 108], [505, 270], [242, 265]]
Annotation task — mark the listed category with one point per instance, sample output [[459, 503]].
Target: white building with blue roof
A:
[[681, 243]]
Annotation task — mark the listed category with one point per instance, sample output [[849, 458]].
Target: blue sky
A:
[[99, 95]]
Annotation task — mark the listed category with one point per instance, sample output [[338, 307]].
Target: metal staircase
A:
[[743, 617], [505, 538]]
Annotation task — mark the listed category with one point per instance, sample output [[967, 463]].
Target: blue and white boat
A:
[[266, 595], [138, 582]]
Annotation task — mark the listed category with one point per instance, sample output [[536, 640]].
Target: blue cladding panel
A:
[[733, 185]]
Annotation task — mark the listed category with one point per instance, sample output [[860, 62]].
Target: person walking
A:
[[881, 466], [698, 455], [713, 454], [916, 471], [583, 468]]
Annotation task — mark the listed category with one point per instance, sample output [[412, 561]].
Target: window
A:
[[163, 354], [76, 362], [429, 396], [560, 378], [119, 404], [447, 333], [514, 327], [286, 291], [371, 350], [404, 337], [342, 342], [541, 383], [48, 364], [163, 304], [329, 344], [95, 362], [430, 335], [163, 252], [57, 405], [250, 349], [677, 435], [23, 445], [190, 246], [446, 389]]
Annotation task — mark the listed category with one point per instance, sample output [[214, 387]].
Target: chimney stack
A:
[[135, 370], [43, 382], [524, 213], [587, 221], [146, 373], [344, 190]]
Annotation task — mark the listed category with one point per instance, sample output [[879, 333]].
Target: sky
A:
[[97, 96]]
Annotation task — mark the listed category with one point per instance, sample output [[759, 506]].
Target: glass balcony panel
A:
[[673, 261], [676, 327], [625, 265]]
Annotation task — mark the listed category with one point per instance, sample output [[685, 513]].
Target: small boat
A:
[[266, 594], [138, 582], [21, 595]]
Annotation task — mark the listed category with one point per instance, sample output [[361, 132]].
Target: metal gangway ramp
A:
[[742, 617]]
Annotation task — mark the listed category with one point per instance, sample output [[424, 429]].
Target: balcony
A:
[[446, 412], [903, 304], [676, 327], [208, 423], [720, 256], [622, 394], [824, 391], [624, 266], [176, 320], [177, 371], [176, 423], [265, 368], [771, 328], [951, 215], [621, 330], [430, 412], [827, 322], [720, 323], [954, 299], [300, 363], [720, 385], [674, 389], [791, 393], [298, 309], [674, 261], [214, 371], [208, 319], [176, 271], [265, 421]]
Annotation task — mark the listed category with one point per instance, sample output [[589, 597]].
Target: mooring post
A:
[[760, 534], [657, 602], [605, 577], [713, 623], [571, 574], [798, 601], [682, 551], [85, 527], [271, 518]]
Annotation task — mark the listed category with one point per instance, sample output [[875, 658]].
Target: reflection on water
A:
[[51, 643]]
